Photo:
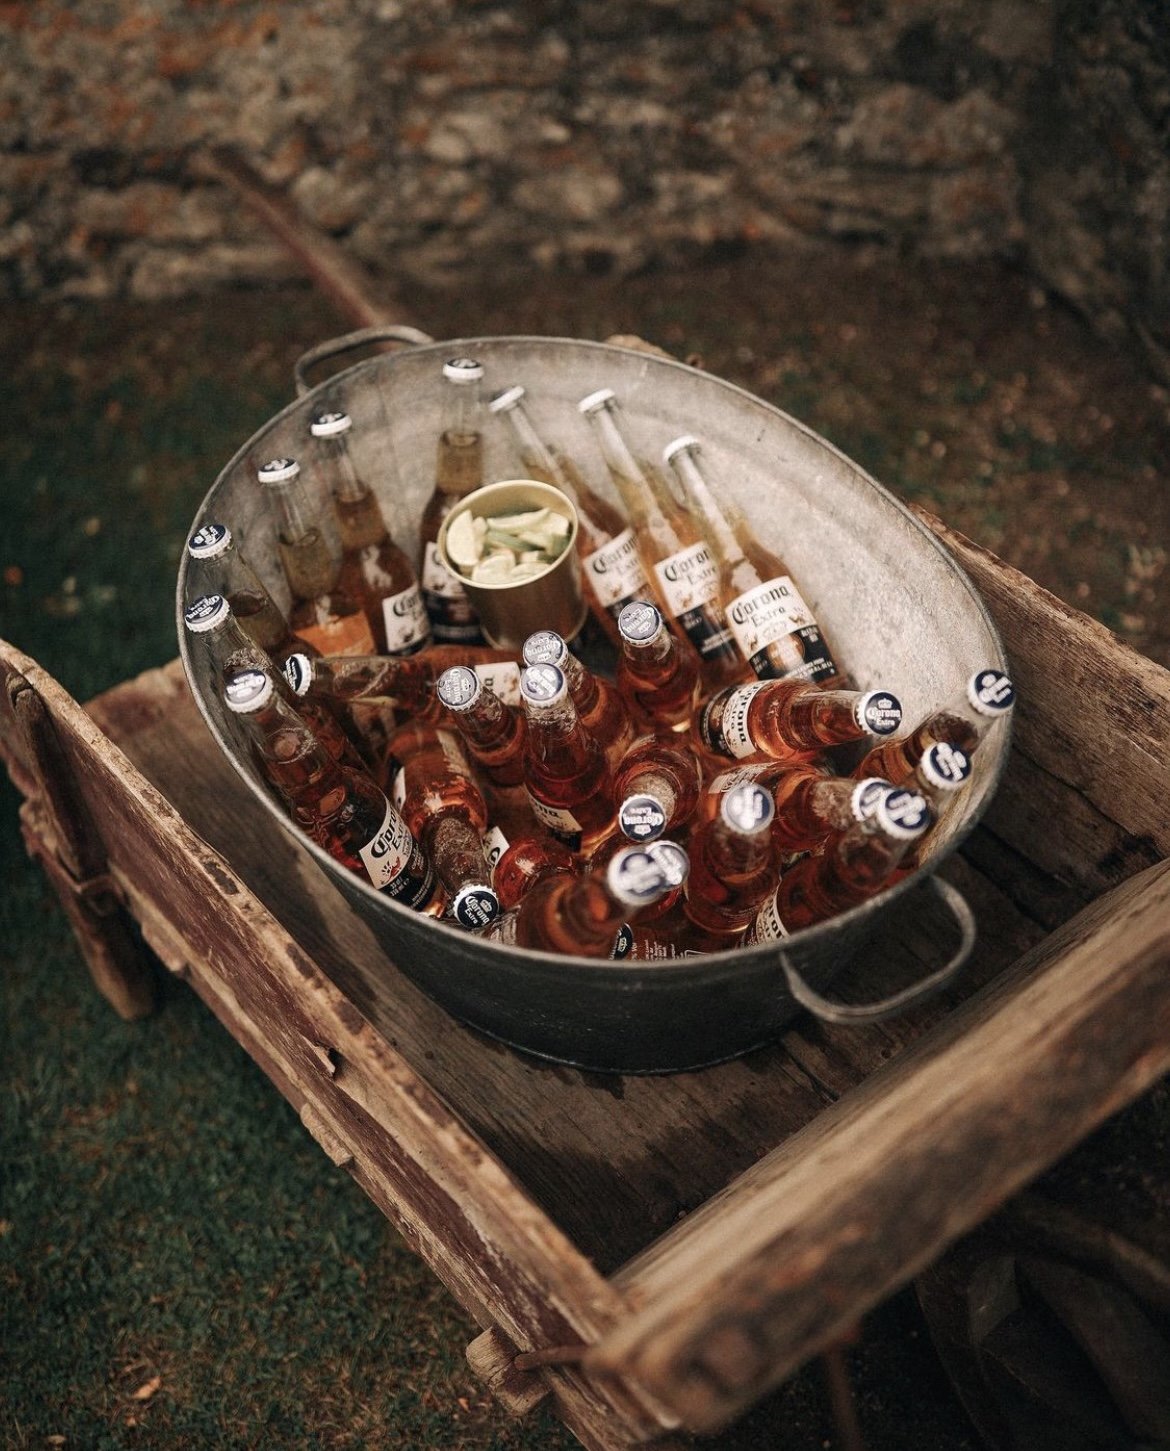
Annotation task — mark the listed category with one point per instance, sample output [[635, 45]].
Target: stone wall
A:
[[582, 134]]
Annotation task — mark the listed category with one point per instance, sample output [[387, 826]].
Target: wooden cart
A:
[[656, 1253]]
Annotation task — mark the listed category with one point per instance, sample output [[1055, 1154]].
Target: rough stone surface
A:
[[590, 134]]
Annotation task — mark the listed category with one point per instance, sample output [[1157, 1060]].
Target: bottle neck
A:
[[227, 648], [535, 454], [724, 544]]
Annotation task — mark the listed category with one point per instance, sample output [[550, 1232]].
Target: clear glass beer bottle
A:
[[374, 570], [733, 862], [566, 775], [459, 470], [322, 613], [492, 732], [963, 722], [775, 630], [217, 567], [611, 568], [519, 864], [676, 557], [657, 786], [658, 678], [343, 811], [601, 708], [787, 719]]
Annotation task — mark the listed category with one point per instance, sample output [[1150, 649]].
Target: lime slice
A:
[[463, 547]]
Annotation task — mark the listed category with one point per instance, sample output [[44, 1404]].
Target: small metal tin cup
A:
[[509, 613]]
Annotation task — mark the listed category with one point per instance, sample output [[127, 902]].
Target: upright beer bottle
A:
[[459, 470], [601, 708], [343, 811], [566, 776], [217, 567], [733, 863], [323, 614], [656, 787], [963, 722], [658, 676], [774, 628], [611, 568], [492, 732], [676, 557], [374, 571]]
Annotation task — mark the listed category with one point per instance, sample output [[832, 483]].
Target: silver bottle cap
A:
[[676, 445], [991, 692], [879, 712], [278, 471], [902, 814], [639, 622], [544, 647], [210, 541], [635, 878], [462, 370], [508, 399], [543, 685], [298, 671], [248, 691], [206, 613], [641, 818], [459, 687], [747, 808], [945, 767], [596, 400], [329, 425]]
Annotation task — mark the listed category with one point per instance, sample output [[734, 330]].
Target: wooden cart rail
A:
[[697, 1236]]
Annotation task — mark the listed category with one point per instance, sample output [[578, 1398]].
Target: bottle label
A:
[[386, 856], [738, 775], [767, 926], [557, 819], [502, 677], [495, 844], [689, 581], [734, 739], [346, 635], [615, 572], [773, 611], [452, 615], [408, 627]]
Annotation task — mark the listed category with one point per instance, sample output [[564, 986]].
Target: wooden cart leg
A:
[[59, 833]]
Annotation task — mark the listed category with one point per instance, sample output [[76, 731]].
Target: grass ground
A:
[[179, 1265]]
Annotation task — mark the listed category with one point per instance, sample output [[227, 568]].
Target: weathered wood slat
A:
[[775, 1266]]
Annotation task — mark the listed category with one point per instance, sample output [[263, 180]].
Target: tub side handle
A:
[[856, 1013], [381, 333]]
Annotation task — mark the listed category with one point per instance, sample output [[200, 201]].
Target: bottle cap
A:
[[879, 712], [673, 860], [866, 795], [278, 471], [209, 542], [298, 671], [459, 687], [639, 622], [641, 817], [248, 690], [944, 766], [543, 685], [462, 370], [475, 905], [206, 613], [502, 402], [635, 878], [544, 647], [596, 400], [747, 808], [329, 425], [991, 692], [676, 445], [902, 814]]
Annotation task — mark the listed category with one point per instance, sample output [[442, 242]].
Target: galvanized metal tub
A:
[[900, 613]]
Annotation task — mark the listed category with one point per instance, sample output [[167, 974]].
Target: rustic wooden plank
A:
[[773, 1268]]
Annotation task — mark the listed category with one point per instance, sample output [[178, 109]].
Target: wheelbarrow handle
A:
[[381, 333], [856, 1013]]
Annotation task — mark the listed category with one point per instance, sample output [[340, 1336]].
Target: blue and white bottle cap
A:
[[206, 613], [502, 402], [639, 622], [247, 691], [209, 541], [747, 808], [676, 445], [879, 712], [298, 671], [944, 766], [462, 370], [475, 905], [458, 687], [991, 692], [278, 471], [673, 860], [594, 401], [544, 647], [902, 814], [635, 878], [329, 425], [641, 817], [543, 685]]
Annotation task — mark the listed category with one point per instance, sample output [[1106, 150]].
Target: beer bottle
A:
[[774, 628], [342, 810], [665, 913], [962, 723], [657, 787], [218, 567], [221, 648], [322, 614], [374, 570], [518, 865], [811, 805], [602, 710], [853, 866], [581, 915], [733, 862], [611, 569], [676, 558], [492, 732], [440, 802], [566, 776], [459, 470], [658, 678], [940, 775], [787, 719]]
